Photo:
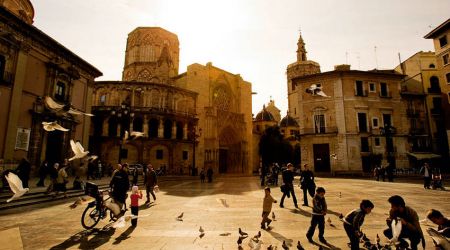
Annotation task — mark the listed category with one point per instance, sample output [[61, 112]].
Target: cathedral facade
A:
[[198, 119]]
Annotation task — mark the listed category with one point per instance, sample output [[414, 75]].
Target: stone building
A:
[[200, 118], [33, 66], [361, 123], [441, 38], [422, 93]]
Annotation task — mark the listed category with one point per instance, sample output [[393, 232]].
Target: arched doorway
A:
[[230, 151], [53, 153]]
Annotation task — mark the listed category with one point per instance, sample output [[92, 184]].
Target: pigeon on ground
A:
[[258, 235], [52, 126], [78, 150], [239, 241], [242, 233], [299, 246], [255, 245], [201, 230], [273, 216], [62, 108], [341, 216], [81, 201], [329, 222], [15, 184], [224, 202], [180, 217], [201, 235], [316, 90], [270, 247], [285, 246]]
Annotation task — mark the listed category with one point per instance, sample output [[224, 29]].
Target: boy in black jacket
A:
[[318, 215], [354, 220]]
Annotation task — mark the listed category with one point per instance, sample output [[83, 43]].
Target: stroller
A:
[[436, 181]]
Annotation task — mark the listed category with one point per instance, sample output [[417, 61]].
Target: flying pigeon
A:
[[52, 126], [242, 233], [16, 186], [81, 201], [58, 108], [133, 135], [316, 90], [334, 156], [91, 158], [273, 216], [78, 150], [285, 246], [396, 226], [180, 217], [299, 246]]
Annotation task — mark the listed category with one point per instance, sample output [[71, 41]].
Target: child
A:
[[318, 215], [135, 203], [267, 207], [354, 220]]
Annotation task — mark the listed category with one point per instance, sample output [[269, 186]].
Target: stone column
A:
[[15, 103], [160, 129], [185, 132], [145, 126], [174, 130]]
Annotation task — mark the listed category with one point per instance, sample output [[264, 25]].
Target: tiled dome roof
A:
[[264, 116], [288, 121]]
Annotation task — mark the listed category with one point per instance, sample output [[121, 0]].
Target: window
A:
[[364, 144], [319, 123], [372, 87], [60, 91], [293, 86], [443, 41], [185, 155], [377, 141], [383, 89], [159, 154], [447, 77], [362, 122], [445, 59], [102, 99], [387, 119], [432, 66], [359, 88], [375, 122]]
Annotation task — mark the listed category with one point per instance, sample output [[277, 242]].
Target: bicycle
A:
[[99, 208]]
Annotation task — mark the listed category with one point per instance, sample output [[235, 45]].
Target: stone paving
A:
[[219, 208]]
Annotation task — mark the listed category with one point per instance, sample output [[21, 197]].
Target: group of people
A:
[[352, 221], [432, 177], [381, 172]]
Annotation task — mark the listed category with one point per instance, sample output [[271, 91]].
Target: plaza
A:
[[220, 208]]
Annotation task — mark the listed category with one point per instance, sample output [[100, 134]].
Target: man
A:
[[307, 183], [120, 185], [410, 222], [288, 178], [441, 235], [150, 182], [426, 171]]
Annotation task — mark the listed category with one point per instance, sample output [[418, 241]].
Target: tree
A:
[[274, 148]]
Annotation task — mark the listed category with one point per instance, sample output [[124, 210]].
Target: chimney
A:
[[342, 67]]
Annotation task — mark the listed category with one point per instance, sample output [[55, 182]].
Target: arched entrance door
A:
[[230, 152], [54, 148]]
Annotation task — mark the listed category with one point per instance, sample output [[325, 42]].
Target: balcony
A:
[[322, 130], [434, 90]]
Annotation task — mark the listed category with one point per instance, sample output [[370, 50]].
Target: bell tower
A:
[[301, 51]]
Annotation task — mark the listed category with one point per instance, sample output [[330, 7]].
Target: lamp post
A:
[[388, 131], [194, 142], [123, 114]]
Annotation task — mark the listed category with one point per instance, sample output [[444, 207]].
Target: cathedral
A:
[[197, 119]]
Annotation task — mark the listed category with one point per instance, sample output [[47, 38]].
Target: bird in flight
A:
[[314, 90], [52, 126], [15, 184], [63, 108], [78, 150]]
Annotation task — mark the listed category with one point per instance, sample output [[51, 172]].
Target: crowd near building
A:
[[343, 120]]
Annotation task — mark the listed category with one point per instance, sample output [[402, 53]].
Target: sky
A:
[[254, 38]]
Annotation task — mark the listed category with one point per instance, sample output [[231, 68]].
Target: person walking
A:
[[354, 220], [209, 174], [307, 183], [43, 170], [53, 172], [202, 175], [288, 178], [426, 171], [61, 181], [120, 185], [136, 195], [150, 182], [267, 207], [318, 215], [410, 223]]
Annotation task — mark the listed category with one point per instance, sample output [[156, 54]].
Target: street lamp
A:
[[388, 131], [123, 115], [194, 142]]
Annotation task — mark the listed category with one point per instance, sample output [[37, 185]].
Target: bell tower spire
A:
[[301, 51]]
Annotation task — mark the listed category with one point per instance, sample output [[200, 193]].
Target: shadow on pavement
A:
[[301, 212], [280, 237], [101, 236], [326, 246], [123, 236]]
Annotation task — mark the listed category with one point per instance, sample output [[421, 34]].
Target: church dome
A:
[[288, 121], [264, 116], [21, 8]]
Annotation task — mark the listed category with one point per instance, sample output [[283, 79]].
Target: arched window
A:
[[167, 129], [179, 130], [137, 124], [153, 125], [432, 66], [434, 84], [112, 126]]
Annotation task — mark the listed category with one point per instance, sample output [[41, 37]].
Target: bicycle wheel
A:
[[112, 216], [90, 217]]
